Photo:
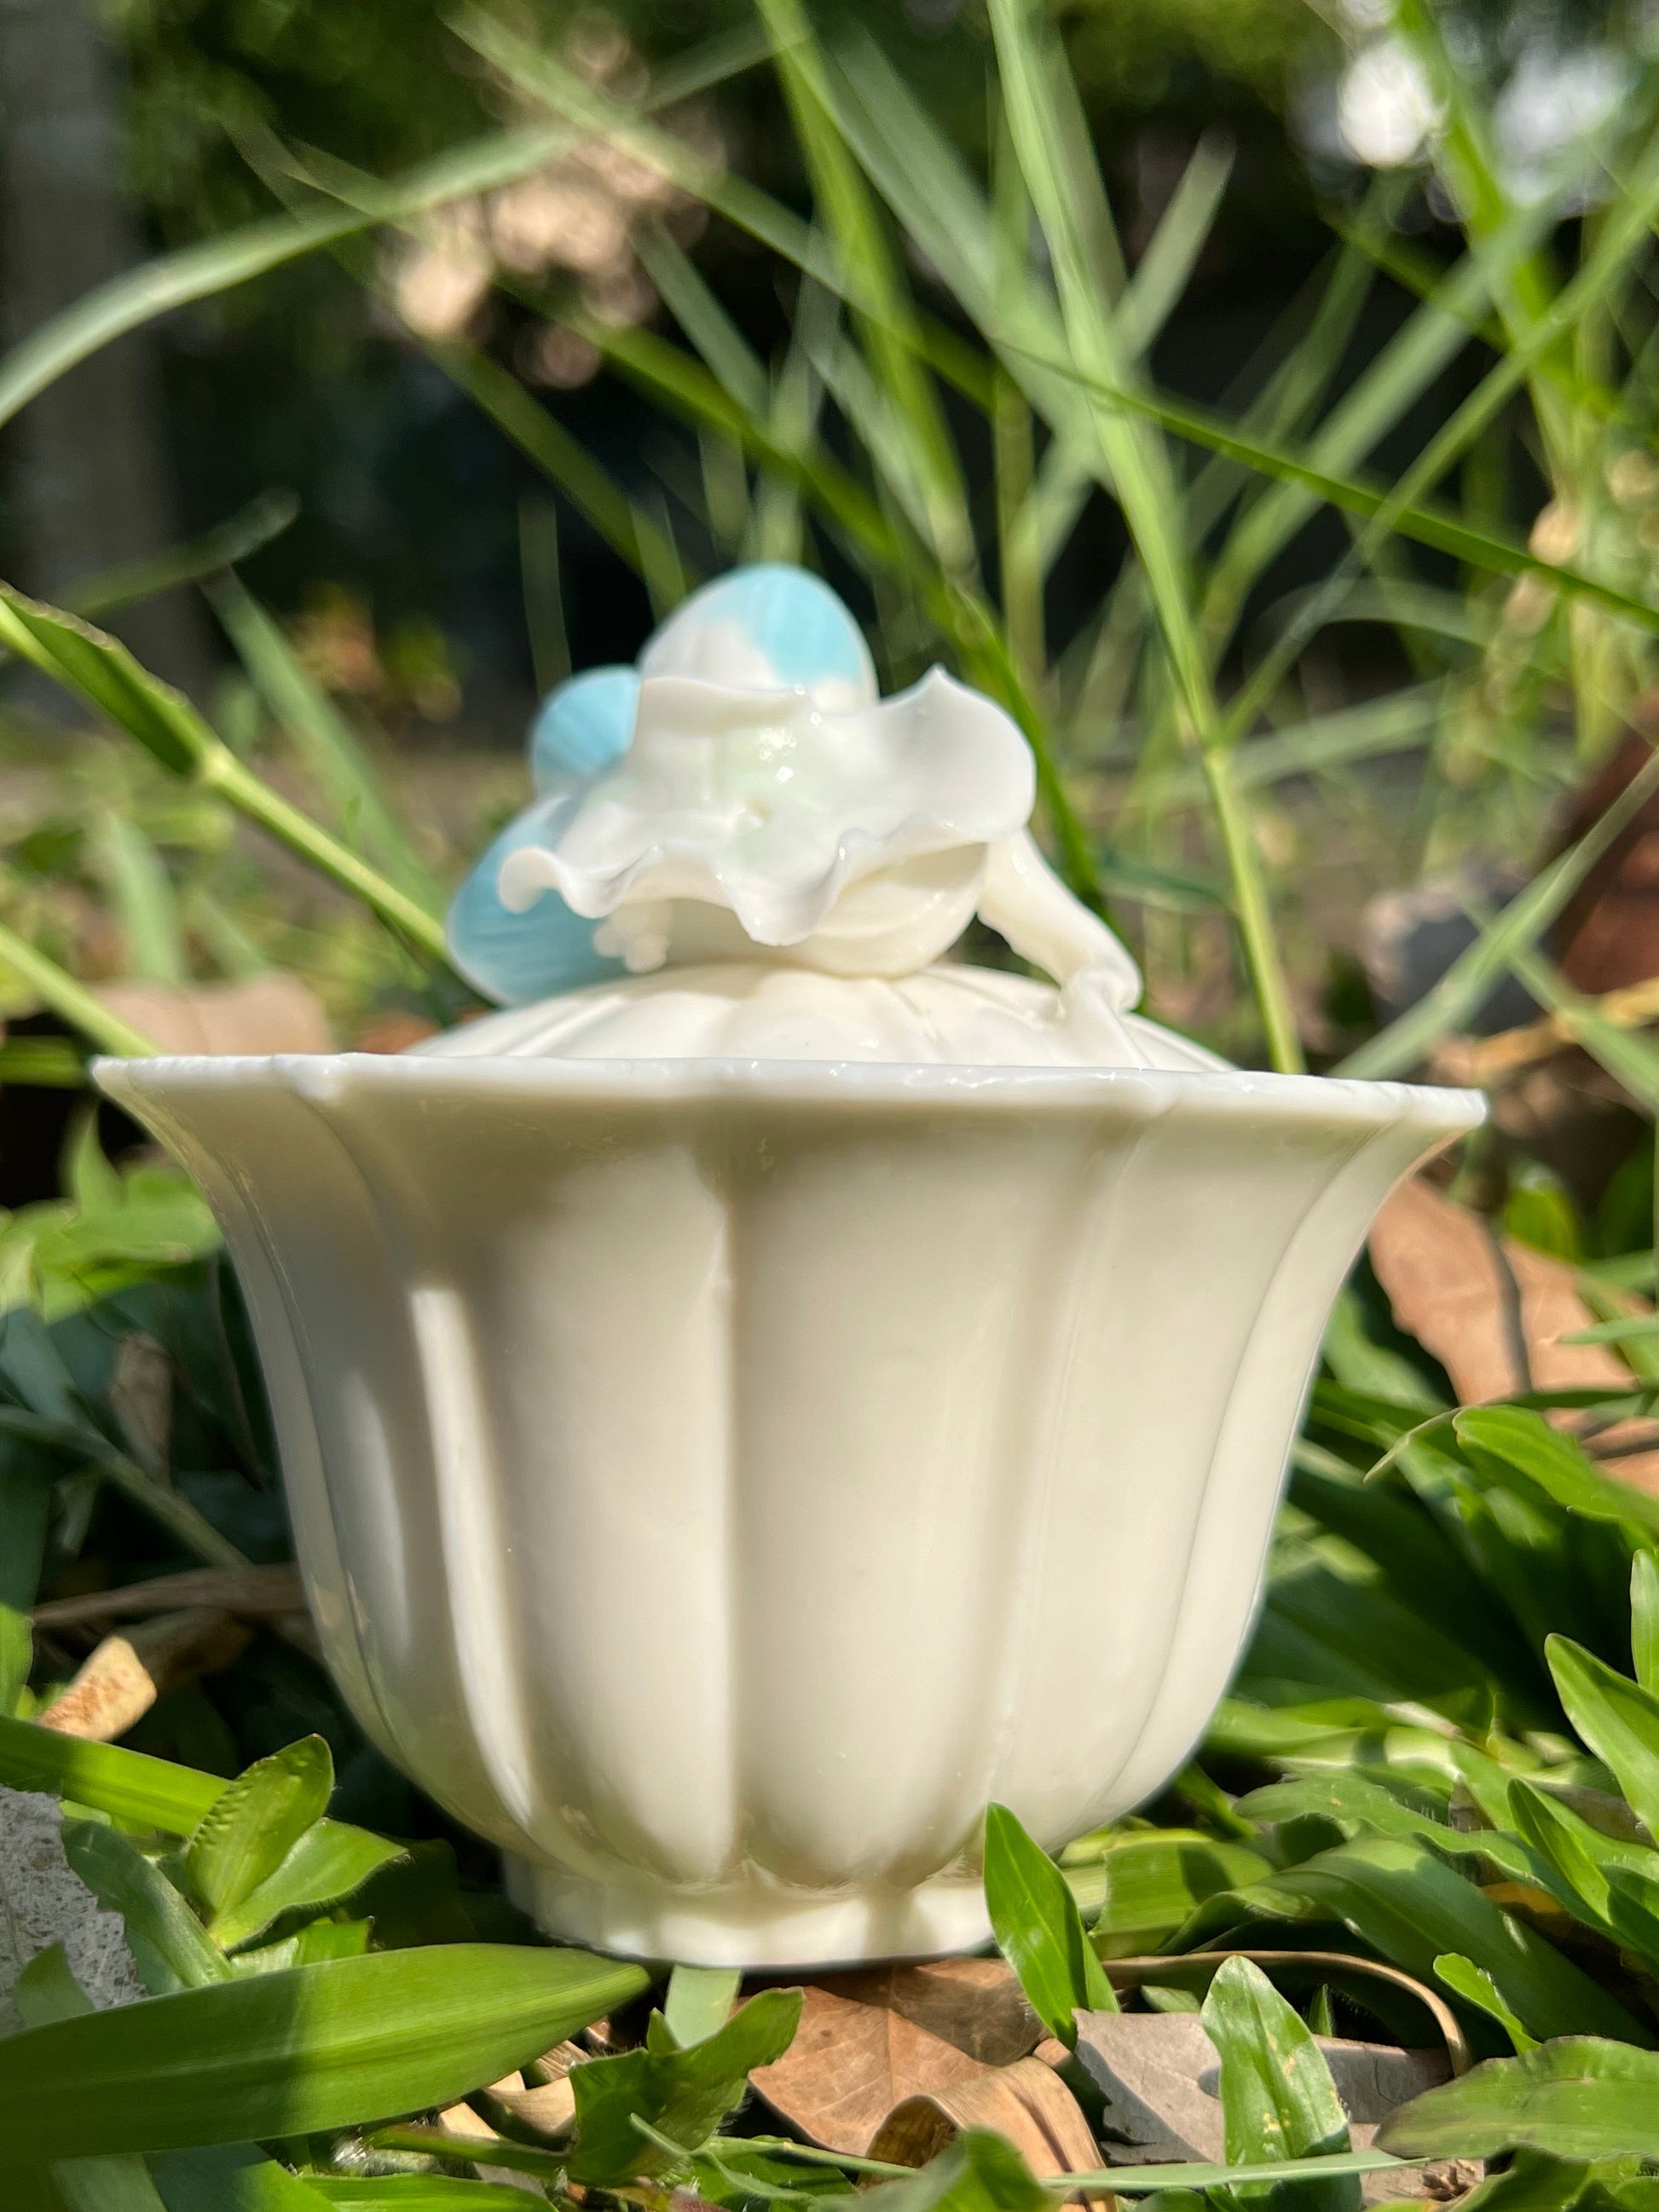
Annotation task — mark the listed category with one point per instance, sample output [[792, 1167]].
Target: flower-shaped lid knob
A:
[[745, 793]]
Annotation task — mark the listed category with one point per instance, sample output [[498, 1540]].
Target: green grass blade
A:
[[1039, 1928], [128, 1786], [1405, 1043], [71, 1002], [1036, 94], [104, 674], [889, 329], [327, 742], [705, 322], [139, 889], [218, 264], [1277, 2094], [1164, 270], [297, 2051], [260, 521], [699, 2002], [563, 458]]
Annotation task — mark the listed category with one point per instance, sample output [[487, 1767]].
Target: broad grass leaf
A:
[[105, 673], [1616, 1718], [317, 2047], [253, 1826], [46, 1990], [1577, 2098], [1360, 1806], [1404, 1900], [1277, 2094], [681, 2094], [1039, 1929], [322, 1868], [1559, 1466], [230, 2177], [1154, 1883], [402, 2192], [1645, 1620], [980, 2172], [699, 2002], [16, 1656], [1467, 1980], [168, 1945], [308, 1945], [102, 2184], [1428, 1574], [128, 1786]]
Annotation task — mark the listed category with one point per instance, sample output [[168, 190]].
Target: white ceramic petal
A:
[[872, 827], [715, 1480]]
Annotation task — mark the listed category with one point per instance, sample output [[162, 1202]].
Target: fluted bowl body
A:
[[715, 1481]]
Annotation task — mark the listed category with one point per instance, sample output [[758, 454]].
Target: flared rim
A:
[[321, 1077]]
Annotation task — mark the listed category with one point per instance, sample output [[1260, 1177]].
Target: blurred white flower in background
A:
[[1555, 100], [1386, 109], [576, 217]]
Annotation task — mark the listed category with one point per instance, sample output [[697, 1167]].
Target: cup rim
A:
[[923, 1085]]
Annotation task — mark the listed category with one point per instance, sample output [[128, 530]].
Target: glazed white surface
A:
[[753, 1010], [716, 1480]]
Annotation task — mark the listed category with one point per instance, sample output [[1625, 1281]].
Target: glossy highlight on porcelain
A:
[[755, 1401]]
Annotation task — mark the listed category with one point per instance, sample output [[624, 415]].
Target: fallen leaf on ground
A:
[[978, 2004], [1494, 1312], [123, 1678], [850, 2064], [141, 1399], [273, 1013], [1025, 2102]]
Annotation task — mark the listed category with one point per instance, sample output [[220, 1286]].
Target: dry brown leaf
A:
[[978, 2004], [850, 2064], [1026, 2102], [123, 1677], [273, 1013], [257, 1593], [141, 1399], [1479, 1303]]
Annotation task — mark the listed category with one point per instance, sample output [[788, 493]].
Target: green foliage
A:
[[1038, 1928], [681, 2096], [1276, 2089], [1579, 2098], [290, 2052]]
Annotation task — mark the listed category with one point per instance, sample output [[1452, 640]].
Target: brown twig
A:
[[254, 1593], [1134, 1972], [1486, 1063]]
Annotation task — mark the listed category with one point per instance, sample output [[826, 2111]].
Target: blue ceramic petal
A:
[[765, 626], [584, 726], [517, 958]]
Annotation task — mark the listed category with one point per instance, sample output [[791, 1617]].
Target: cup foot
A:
[[754, 1923]]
